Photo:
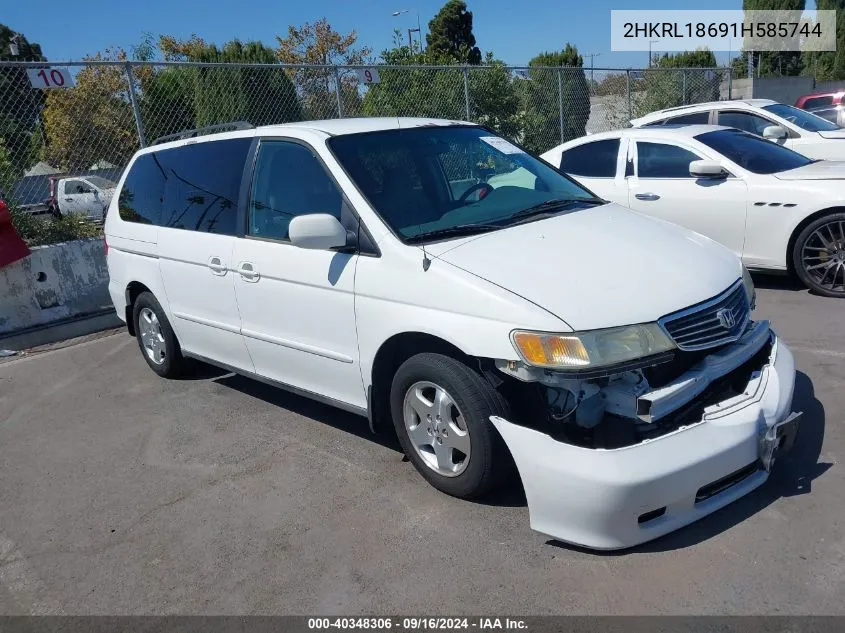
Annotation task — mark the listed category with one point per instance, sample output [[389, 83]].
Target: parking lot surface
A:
[[122, 493]]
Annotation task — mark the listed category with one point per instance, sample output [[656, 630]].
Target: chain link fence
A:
[[50, 139]]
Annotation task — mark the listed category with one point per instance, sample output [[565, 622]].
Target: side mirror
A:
[[774, 132], [706, 169], [317, 231]]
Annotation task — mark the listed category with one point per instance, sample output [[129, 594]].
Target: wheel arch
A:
[[793, 237], [390, 355], [133, 290]]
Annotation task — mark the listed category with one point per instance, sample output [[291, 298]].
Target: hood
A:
[[820, 170], [832, 134], [600, 267]]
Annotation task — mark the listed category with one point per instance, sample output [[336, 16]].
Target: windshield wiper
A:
[[454, 231], [553, 205]]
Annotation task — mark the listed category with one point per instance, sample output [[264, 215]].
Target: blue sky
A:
[[515, 30]]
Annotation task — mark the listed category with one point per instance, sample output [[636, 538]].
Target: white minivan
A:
[[370, 264]]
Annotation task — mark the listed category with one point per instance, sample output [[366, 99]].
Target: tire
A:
[[464, 422], [158, 343], [822, 245]]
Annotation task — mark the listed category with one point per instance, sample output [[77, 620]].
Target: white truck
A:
[[86, 195]]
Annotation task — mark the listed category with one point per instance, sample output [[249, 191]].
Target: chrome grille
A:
[[715, 322]]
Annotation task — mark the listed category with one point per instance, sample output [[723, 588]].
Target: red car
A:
[[828, 105]]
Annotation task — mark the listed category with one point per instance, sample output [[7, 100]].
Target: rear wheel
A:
[[819, 255], [156, 338], [441, 410]]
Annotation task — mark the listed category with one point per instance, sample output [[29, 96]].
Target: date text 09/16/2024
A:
[[417, 623]]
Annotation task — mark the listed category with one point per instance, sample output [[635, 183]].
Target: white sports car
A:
[[783, 124], [777, 209]]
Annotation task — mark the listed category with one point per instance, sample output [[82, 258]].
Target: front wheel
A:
[[441, 410], [819, 255]]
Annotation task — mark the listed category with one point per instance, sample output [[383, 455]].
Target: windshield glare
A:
[[429, 179], [753, 153], [803, 119]]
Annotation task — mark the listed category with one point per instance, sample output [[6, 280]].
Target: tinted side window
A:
[[657, 160], [690, 119], [289, 181], [143, 191], [593, 160], [202, 185], [744, 121]]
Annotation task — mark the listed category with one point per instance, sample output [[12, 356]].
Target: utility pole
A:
[[591, 56], [650, 42]]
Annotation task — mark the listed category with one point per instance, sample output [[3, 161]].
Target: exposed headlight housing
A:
[[748, 284], [594, 348]]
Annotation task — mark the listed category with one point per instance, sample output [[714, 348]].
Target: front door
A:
[[662, 186], [77, 197], [297, 305]]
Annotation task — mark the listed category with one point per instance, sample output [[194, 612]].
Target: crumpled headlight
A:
[[594, 348], [748, 284]]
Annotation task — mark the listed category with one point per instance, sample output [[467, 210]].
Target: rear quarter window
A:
[[142, 193], [591, 160]]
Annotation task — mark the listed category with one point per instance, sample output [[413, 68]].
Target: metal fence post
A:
[[466, 90], [560, 99], [337, 89], [730, 82], [628, 91], [133, 99], [684, 88]]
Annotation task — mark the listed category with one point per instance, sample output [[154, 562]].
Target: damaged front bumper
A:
[[617, 498]]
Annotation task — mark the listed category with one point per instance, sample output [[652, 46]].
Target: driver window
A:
[[658, 160], [76, 186], [289, 181], [744, 121]]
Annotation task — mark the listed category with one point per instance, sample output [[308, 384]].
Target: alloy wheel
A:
[[436, 428]]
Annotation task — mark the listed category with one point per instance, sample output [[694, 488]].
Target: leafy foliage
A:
[[318, 43], [450, 34], [94, 120], [543, 103], [771, 63], [661, 87], [38, 230], [20, 105]]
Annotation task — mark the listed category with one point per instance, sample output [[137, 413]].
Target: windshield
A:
[[434, 180], [102, 183], [803, 119], [753, 153]]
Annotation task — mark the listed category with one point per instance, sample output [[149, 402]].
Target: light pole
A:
[[417, 30], [650, 42]]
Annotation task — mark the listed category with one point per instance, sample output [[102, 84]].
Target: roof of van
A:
[[337, 127]]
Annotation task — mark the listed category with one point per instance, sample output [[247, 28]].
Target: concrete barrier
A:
[[55, 283]]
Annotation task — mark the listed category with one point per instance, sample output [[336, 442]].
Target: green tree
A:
[[543, 103], [770, 63], [319, 43], [94, 120], [829, 65], [178, 98], [20, 103], [439, 92], [662, 87], [450, 33]]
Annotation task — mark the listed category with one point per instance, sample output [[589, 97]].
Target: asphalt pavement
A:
[[122, 493]]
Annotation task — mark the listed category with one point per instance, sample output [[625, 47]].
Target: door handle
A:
[[647, 196], [217, 266], [248, 272], [69, 199]]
